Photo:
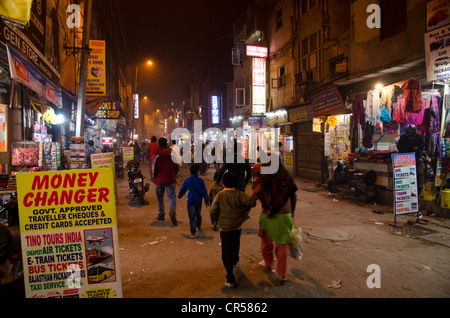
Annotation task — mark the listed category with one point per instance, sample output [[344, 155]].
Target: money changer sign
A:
[[68, 231]]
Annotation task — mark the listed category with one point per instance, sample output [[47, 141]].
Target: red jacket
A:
[[162, 168]]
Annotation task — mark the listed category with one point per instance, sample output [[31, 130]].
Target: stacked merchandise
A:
[[77, 153], [50, 155]]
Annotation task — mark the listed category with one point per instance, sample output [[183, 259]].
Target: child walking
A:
[[231, 207], [213, 189], [196, 191]]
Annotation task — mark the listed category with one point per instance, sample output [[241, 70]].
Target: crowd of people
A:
[[229, 204]]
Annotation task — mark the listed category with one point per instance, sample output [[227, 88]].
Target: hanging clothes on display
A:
[[413, 96], [358, 112], [372, 106]]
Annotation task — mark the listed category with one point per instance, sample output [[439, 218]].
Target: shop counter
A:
[[383, 170]]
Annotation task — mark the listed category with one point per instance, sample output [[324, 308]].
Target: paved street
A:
[[341, 239]]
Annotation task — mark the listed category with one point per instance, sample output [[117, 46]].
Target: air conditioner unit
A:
[[307, 77], [235, 56]]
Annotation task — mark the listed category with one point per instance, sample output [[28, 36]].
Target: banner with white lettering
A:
[[68, 230], [405, 183]]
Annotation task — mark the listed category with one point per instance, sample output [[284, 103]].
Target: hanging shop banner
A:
[[109, 110], [301, 114], [258, 86], [96, 72], [437, 53], [26, 74], [68, 230], [326, 101], [405, 183]]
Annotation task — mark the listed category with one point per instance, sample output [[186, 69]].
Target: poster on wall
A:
[[68, 231], [405, 183]]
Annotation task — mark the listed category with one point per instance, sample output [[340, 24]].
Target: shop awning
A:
[[397, 70]]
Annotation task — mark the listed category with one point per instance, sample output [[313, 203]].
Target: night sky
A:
[[171, 33]]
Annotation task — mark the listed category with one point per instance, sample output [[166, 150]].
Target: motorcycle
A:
[[118, 162], [357, 183], [136, 181]]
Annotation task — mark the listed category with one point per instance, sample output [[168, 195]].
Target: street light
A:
[[149, 63]]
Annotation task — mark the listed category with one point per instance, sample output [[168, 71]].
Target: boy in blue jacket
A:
[[195, 186]]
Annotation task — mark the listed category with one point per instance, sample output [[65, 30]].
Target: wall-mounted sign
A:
[[301, 114], [96, 73], [257, 51], [109, 110], [259, 86], [437, 14], [327, 101], [215, 109], [437, 57], [277, 117]]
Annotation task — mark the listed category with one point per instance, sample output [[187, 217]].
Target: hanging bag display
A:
[[25, 154]]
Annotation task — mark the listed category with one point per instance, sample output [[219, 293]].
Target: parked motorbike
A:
[[118, 162], [136, 181], [356, 183]]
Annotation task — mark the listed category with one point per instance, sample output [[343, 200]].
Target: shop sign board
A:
[[327, 101], [68, 230], [257, 51], [258, 86], [28, 75], [437, 53], [437, 14], [109, 110], [215, 109], [405, 183], [96, 72], [301, 114], [34, 42], [128, 154]]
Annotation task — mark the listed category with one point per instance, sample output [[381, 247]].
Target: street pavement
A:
[[346, 246]]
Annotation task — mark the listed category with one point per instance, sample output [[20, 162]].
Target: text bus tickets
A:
[[68, 230]]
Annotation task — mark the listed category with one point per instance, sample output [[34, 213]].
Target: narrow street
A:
[[340, 240]]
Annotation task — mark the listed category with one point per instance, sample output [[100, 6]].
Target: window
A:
[[393, 17], [281, 78], [308, 5], [310, 52], [279, 19]]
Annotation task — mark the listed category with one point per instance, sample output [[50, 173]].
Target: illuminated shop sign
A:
[[215, 109], [258, 86], [257, 51]]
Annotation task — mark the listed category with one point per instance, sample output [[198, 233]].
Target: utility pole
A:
[[79, 127]]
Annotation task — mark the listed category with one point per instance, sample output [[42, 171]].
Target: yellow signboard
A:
[[68, 232]]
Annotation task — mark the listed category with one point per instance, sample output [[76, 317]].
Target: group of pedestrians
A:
[[230, 206]]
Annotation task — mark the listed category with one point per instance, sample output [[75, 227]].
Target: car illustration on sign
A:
[[442, 61]]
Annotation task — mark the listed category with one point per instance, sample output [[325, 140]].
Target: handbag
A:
[[296, 246]]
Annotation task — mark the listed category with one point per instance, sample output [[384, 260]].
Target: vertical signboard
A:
[[215, 109], [136, 106], [68, 232], [258, 86], [405, 183], [96, 78]]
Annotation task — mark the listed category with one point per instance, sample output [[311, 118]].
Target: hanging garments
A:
[[416, 118], [372, 107], [399, 114], [358, 112], [413, 96]]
